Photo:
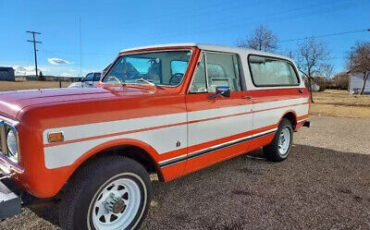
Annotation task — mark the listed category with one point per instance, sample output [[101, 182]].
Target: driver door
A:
[[215, 121]]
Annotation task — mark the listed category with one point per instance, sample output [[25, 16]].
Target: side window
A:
[[178, 67], [268, 71], [199, 84], [223, 70]]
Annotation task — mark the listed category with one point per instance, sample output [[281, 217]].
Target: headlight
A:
[[12, 144]]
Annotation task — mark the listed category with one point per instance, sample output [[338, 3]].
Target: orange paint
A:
[[40, 110]]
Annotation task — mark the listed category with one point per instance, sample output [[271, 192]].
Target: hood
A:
[[12, 102]]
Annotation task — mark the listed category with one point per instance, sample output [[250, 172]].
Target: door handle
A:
[[300, 91], [247, 97]]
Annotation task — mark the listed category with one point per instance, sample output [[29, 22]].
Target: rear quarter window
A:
[[270, 71]]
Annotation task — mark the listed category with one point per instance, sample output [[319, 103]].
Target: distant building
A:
[[7, 74], [356, 81], [315, 87]]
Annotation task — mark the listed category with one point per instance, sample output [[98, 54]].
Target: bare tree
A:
[[263, 39], [341, 80], [326, 70], [311, 57], [359, 61], [289, 54]]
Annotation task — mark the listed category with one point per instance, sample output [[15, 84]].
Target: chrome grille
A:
[[3, 147]]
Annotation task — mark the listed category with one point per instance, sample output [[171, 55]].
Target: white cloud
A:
[[66, 75], [50, 70], [54, 70], [58, 61], [24, 70]]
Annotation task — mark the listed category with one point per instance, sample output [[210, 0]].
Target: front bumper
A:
[[7, 166], [10, 203]]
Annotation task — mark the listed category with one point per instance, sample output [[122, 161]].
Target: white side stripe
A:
[[104, 128], [164, 139]]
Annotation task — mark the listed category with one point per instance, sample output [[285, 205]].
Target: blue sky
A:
[[111, 25]]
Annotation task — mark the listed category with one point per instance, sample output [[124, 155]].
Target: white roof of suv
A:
[[210, 47]]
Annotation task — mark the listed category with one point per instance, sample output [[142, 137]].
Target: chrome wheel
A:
[[116, 205], [284, 141]]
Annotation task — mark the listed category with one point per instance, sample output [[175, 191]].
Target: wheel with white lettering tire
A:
[[110, 193], [279, 148]]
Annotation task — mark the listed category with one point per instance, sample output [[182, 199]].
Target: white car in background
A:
[[90, 80]]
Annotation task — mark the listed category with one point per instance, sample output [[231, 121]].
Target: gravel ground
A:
[[324, 184]]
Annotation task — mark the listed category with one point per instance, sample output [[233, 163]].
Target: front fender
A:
[[45, 183]]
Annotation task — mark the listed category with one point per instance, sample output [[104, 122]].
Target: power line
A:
[[326, 35], [237, 22], [34, 46]]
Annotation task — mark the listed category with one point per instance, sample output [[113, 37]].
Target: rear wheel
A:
[[279, 148], [111, 193]]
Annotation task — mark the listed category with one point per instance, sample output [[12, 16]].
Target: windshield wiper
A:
[[146, 81], [117, 80]]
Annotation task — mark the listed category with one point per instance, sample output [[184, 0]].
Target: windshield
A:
[[166, 68]]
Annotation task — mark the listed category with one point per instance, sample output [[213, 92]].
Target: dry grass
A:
[[340, 103], [20, 85]]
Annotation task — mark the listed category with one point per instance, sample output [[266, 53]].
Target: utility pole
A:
[[34, 47], [80, 31]]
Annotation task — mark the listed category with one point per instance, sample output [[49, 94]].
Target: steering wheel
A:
[[176, 78], [115, 79]]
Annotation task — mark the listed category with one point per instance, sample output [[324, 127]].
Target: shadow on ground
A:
[[315, 188]]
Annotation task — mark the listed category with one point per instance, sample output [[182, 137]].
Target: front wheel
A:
[[279, 148], [111, 193]]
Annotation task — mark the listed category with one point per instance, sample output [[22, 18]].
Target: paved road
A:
[[324, 184]]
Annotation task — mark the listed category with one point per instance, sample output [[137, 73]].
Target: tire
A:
[[89, 196], [279, 148]]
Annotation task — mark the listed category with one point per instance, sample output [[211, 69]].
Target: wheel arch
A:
[[291, 115], [136, 150]]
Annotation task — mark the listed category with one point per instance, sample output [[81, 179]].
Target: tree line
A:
[[312, 57]]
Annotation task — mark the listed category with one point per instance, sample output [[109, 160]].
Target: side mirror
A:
[[221, 91]]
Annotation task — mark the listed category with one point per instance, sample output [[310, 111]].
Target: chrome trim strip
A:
[[172, 160], [10, 165], [6, 165], [229, 144], [9, 121], [4, 147], [184, 157]]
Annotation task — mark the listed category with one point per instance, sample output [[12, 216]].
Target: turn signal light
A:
[[55, 137]]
